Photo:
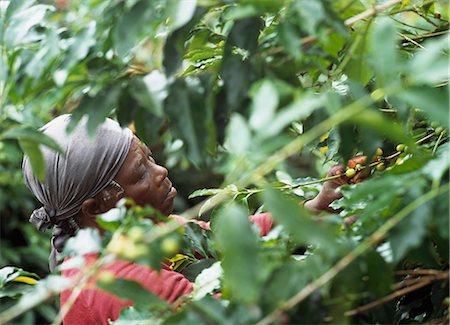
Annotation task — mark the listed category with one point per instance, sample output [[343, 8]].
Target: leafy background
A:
[[251, 101]]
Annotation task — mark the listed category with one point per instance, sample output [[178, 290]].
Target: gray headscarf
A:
[[87, 166]]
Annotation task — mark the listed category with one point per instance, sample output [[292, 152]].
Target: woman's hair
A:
[[85, 168]]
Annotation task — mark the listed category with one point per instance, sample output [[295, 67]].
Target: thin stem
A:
[[376, 237], [371, 12], [437, 143], [425, 138], [430, 34], [411, 40], [421, 283]]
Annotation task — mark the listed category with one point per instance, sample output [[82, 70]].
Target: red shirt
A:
[[95, 306]]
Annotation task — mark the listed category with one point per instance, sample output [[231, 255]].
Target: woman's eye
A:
[[144, 175], [151, 159]]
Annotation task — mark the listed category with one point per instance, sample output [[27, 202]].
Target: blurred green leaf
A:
[[356, 66], [265, 103], [384, 55], [238, 136], [31, 149], [133, 316], [300, 108], [298, 222], [139, 89], [22, 21], [132, 26], [27, 133], [410, 232], [205, 192], [250, 8], [433, 101], [429, 64], [236, 66], [97, 108], [128, 289], [175, 45], [437, 167], [180, 12], [10, 273], [239, 246]]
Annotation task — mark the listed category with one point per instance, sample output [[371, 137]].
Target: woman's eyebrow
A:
[[138, 164]]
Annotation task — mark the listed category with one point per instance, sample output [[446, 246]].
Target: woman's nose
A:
[[161, 172]]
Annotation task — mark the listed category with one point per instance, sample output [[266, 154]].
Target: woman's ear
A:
[[90, 208]]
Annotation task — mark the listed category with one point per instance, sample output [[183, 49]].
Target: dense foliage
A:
[[251, 102]]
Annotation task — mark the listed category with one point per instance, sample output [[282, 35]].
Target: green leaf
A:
[[133, 316], [356, 67], [410, 232], [192, 271], [298, 222], [9, 273], [435, 169], [250, 8], [265, 102], [374, 120], [189, 110], [150, 91], [433, 101], [207, 281], [84, 242], [239, 245], [22, 22], [132, 26], [236, 68], [180, 12], [27, 133], [430, 64], [376, 194], [300, 108], [290, 38], [175, 44], [97, 108], [31, 149], [205, 192], [132, 290], [383, 45], [79, 49], [16, 6], [238, 136]]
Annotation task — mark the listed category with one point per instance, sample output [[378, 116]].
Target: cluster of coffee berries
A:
[[379, 162]]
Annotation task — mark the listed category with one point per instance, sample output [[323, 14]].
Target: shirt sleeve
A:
[[264, 221]]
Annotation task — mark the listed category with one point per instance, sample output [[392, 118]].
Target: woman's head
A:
[[91, 175]]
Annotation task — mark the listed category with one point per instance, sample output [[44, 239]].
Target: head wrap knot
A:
[[42, 219]]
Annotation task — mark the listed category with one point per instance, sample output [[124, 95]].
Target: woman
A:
[[88, 179]]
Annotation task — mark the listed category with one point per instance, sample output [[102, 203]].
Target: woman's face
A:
[[144, 181]]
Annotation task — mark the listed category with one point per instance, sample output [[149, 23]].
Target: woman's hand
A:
[[329, 192]]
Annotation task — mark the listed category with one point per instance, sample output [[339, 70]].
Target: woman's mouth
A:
[[171, 193]]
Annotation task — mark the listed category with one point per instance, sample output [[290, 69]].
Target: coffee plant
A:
[[248, 103]]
